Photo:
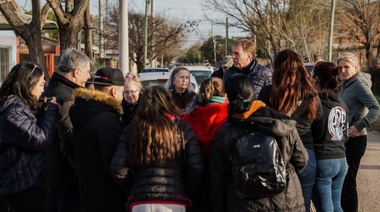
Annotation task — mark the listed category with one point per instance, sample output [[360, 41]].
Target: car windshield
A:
[[200, 75]]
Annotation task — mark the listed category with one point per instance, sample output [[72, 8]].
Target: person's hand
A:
[[353, 131]]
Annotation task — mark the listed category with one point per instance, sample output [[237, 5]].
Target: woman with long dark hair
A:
[[25, 132], [292, 93], [158, 155], [246, 114], [329, 140]]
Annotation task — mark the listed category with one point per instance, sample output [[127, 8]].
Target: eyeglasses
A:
[[131, 92]]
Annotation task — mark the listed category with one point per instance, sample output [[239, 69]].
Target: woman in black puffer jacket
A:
[[158, 159], [24, 136]]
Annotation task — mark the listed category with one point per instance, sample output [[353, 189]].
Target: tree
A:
[[30, 32], [360, 23], [70, 20], [276, 24], [207, 49], [164, 37]]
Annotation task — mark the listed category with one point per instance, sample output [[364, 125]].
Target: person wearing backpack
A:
[[250, 118]]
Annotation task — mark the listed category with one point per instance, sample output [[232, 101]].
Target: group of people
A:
[[115, 146]]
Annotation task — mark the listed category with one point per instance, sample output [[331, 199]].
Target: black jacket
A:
[[329, 140], [129, 112], [96, 129], [218, 73], [61, 177], [170, 181], [23, 142], [266, 120], [260, 75], [304, 126], [182, 100]]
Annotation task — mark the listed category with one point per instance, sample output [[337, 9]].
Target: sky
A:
[[178, 10]]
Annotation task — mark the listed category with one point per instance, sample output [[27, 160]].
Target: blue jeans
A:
[[307, 178], [328, 184]]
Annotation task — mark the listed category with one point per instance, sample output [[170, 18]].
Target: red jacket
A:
[[205, 121]]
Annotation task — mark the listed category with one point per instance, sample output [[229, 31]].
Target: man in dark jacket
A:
[[243, 56], [97, 127], [61, 183], [226, 64]]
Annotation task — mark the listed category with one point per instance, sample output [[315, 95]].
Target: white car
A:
[[160, 78], [200, 72]]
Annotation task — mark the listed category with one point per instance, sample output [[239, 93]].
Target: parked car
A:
[[200, 72], [156, 70], [309, 67], [160, 78]]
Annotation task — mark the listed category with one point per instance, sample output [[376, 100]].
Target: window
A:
[[5, 64]]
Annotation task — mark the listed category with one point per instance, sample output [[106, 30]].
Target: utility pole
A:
[[331, 30], [123, 37], [146, 33], [226, 44], [152, 17], [101, 29], [214, 41]]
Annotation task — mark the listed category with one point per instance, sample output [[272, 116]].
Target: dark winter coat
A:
[[96, 129], [129, 112], [61, 177], [260, 75], [170, 181], [329, 140], [218, 73], [304, 125], [182, 100], [265, 120], [23, 143]]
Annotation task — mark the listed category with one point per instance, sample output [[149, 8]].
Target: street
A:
[[368, 180]]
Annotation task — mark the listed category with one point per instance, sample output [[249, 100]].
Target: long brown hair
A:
[[154, 134], [291, 83]]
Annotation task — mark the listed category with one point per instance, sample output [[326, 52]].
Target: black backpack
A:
[[258, 166]]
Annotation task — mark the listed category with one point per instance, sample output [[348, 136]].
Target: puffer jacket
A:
[[96, 130], [265, 120], [23, 141], [260, 75], [363, 108], [170, 181]]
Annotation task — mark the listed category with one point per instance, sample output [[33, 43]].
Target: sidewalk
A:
[[368, 181]]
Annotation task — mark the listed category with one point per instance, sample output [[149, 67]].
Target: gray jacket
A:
[[363, 108]]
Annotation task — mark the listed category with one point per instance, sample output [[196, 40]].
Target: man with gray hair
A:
[[62, 192]]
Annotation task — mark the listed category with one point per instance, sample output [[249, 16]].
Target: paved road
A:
[[368, 180]]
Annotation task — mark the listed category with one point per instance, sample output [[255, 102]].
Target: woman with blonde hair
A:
[[206, 114], [132, 92], [158, 155], [292, 93], [363, 110]]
